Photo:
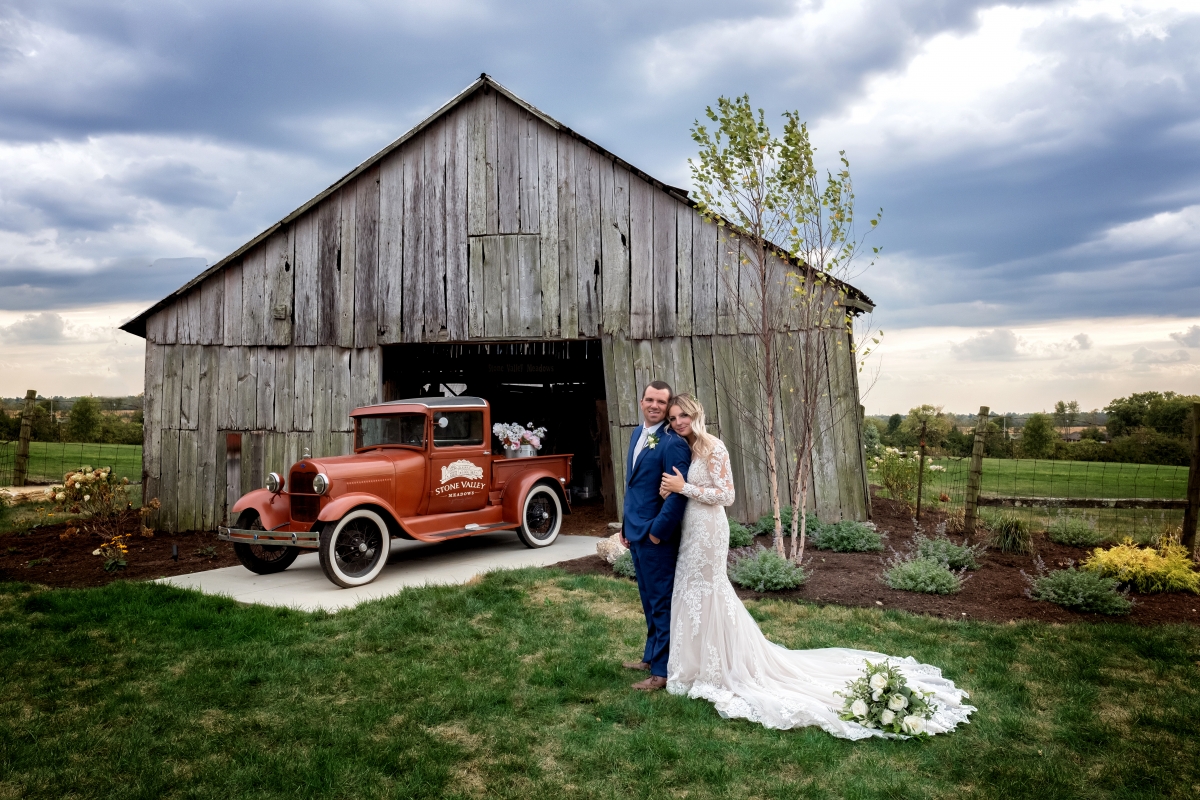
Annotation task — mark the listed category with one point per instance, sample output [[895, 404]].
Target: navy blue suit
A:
[[646, 514]]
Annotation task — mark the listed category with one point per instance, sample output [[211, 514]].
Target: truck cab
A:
[[422, 468]]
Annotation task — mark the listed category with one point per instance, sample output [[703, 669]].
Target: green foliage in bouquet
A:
[[739, 534], [1078, 590], [881, 699], [766, 571], [623, 566]]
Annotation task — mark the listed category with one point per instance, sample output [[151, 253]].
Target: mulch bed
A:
[[995, 592], [43, 556]]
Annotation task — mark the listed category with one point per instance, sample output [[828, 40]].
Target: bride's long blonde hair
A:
[[705, 441]]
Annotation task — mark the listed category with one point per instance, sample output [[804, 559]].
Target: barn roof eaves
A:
[[137, 326]]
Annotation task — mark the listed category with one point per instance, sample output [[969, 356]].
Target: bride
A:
[[717, 651]]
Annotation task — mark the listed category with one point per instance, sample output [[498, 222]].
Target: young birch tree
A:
[[797, 247]]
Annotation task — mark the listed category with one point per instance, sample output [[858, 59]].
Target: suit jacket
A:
[[645, 512]]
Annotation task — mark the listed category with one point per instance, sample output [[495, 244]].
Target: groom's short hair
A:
[[659, 385]]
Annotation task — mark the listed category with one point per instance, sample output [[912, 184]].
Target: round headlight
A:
[[274, 483], [320, 483]]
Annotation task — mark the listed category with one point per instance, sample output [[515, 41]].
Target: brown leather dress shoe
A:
[[639, 665], [651, 684]]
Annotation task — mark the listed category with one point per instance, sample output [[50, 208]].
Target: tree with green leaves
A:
[[794, 233], [83, 423], [1038, 436], [930, 418], [1066, 414]]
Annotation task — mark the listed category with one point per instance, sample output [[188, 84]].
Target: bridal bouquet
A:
[[881, 699], [512, 435]]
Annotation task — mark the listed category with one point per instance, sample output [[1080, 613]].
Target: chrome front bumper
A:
[[307, 539]]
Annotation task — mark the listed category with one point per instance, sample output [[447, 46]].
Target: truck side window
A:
[[405, 429], [460, 428]]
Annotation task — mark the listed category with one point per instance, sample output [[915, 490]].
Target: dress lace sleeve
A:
[[721, 493]]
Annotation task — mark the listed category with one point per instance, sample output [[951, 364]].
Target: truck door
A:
[[458, 478]]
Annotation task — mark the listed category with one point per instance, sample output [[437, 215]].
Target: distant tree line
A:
[[89, 419], [1144, 428]]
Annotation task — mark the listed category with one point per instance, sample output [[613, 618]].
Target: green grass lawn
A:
[[511, 687], [49, 461], [1027, 477]]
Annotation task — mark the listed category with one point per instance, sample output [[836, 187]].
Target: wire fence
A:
[[50, 461], [1120, 499]]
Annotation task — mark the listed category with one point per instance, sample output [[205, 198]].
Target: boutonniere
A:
[[652, 440]]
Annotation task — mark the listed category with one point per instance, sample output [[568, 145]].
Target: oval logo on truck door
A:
[[462, 469]]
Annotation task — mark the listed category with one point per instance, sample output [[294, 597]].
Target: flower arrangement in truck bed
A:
[[512, 435]]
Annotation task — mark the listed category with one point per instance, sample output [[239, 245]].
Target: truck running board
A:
[[469, 530]]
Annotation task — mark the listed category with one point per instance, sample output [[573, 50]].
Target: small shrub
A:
[[846, 536], [623, 566], [1079, 590], [1074, 531], [739, 534], [1011, 534], [766, 523], [912, 573], [765, 571], [1167, 569], [941, 549]]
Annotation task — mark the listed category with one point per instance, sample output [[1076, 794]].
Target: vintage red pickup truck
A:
[[421, 469]]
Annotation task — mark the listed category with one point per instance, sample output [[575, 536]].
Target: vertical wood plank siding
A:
[[490, 223]]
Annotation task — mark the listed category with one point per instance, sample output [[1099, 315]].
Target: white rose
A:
[[887, 717], [87, 497], [879, 681], [60, 497], [875, 695], [858, 708], [913, 724], [897, 702]]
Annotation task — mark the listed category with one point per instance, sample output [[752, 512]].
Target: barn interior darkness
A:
[[555, 385]]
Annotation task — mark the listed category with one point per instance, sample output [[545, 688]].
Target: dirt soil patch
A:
[[43, 556], [995, 592]]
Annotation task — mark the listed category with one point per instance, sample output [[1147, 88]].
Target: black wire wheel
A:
[[541, 516], [264, 559], [354, 549]]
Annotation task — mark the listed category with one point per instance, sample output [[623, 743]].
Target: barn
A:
[[492, 251]]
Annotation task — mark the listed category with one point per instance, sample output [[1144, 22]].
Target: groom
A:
[[651, 525]]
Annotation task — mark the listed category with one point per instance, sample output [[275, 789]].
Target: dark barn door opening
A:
[[555, 385]]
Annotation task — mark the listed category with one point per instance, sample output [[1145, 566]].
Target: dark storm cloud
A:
[[30, 289], [994, 231]]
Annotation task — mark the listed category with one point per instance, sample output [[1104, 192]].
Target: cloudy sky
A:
[[1038, 164]]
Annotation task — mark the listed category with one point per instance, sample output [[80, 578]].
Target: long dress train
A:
[[719, 654]]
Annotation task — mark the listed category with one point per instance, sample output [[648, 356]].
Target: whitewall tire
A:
[[541, 516], [355, 548]]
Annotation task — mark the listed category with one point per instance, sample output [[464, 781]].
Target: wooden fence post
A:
[[21, 467], [1192, 512], [921, 470], [975, 476]]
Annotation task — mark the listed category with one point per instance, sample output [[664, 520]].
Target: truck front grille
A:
[[305, 507]]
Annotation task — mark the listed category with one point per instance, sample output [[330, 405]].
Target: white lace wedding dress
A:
[[719, 654]]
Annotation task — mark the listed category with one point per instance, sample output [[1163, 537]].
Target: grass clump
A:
[[1011, 534], [1074, 531], [912, 573], [766, 571], [1148, 570], [1078, 590], [941, 549], [739, 534], [846, 536], [623, 566]]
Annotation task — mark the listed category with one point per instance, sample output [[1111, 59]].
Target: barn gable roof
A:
[[856, 300]]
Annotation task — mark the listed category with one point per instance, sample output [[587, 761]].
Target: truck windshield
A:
[[405, 429]]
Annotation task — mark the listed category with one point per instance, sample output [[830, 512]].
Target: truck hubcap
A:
[[541, 516], [357, 546]]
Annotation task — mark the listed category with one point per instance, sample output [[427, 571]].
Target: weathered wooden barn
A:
[[490, 250]]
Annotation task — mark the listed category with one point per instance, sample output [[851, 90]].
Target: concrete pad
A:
[[304, 586]]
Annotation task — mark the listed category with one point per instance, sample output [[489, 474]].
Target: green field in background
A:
[[49, 461]]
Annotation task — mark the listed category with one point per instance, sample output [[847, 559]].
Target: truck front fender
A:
[[519, 485], [273, 509], [345, 503]]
